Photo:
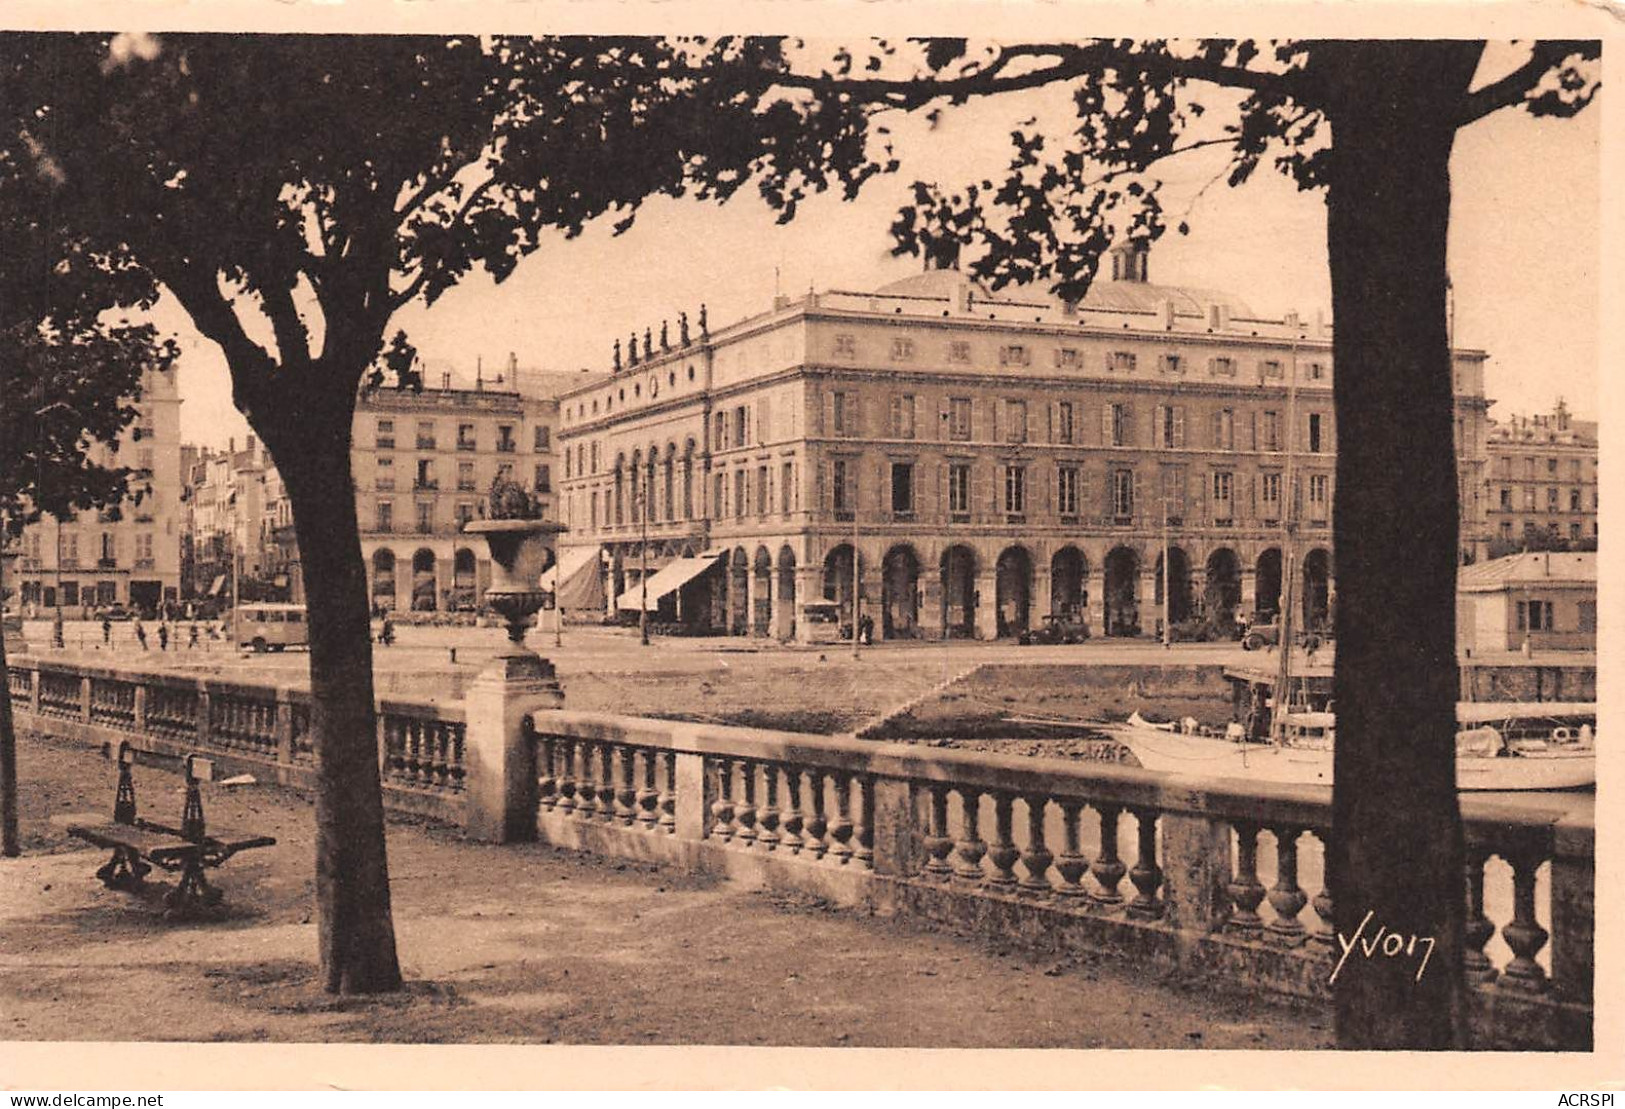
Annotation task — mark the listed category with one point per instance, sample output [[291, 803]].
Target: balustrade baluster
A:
[[840, 829], [1071, 865], [1478, 930], [791, 824], [649, 795], [938, 844], [1286, 898], [586, 783], [1523, 933], [668, 796], [547, 785], [607, 800], [567, 776], [863, 834], [745, 811], [1002, 852], [1108, 869], [768, 818], [1037, 858], [722, 809], [1146, 875], [817, 825], [1245, 891], [970, 848], [627, 799], [459, 733]]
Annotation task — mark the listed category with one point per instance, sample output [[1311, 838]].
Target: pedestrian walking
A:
[[107, 632], [141, 634], [163, 637], [191, 636]]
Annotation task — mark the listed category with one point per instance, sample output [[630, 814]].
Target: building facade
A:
[[1542, 474], [1538, 600], [992, 460], [226, 520], [128, 555]]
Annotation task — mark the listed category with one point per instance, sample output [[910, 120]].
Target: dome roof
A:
[[942, 284]]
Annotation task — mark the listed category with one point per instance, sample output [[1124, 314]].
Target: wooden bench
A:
[[139, 844]]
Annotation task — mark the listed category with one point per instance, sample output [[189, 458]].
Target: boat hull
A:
[[1174, 753]]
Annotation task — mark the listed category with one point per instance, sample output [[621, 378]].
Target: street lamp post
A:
[[643, 560]]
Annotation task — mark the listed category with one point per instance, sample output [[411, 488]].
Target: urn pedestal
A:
[[500, 754]]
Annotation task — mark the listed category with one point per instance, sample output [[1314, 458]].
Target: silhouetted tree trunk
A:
[[311, 448], [1397, 850]]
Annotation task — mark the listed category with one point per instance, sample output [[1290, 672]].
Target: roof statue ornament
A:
[[617, 356], [705, 331], [632, 349], [648, 344], [682, 328], [665, 341]]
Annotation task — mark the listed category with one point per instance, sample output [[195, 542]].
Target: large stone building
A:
[[994, 459], [225, 492], [1542, 474], [130, 555]]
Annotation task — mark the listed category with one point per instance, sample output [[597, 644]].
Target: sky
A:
[[1524, 260]]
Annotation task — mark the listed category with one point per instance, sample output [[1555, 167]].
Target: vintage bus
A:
[[269, 627]]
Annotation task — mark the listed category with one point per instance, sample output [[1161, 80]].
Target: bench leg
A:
[[124, 871], [192, 894]]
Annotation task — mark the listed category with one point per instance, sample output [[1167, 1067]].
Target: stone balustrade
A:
[[1213, 879], [247, 727]]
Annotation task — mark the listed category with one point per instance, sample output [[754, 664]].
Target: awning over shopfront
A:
[[668, 580], [574, 579], [219, 583]]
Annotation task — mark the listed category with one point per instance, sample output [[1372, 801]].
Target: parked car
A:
[[113, 612], [1056, 629], [1269, 635]]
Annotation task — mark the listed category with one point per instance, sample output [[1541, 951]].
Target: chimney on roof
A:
[[1165, 309], [445, 381], [513, 366], [1131, 261], [1218, 317]]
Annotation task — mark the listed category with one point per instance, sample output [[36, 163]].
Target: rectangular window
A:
[[425, 478], [902, 416], [719, 489], [843, 486], [1319, 486], [787, 485], [1066, 490], [1063, 422], [1123, 494], [1588, 616], [1574, 469], [385, 439], [741, 497], [1529, 499], [959, 351], [845, 414], [544, 478], [959, 489], [1271, 368], [1221, 367], [425, 517], [1170, 426], [846, 346], [1015, 354], [1068, 358], [1529, 469], [1172, 364], [1269, 495], [1224, 429], [465, 476], [544, 437], [761, 491], [1574, 500], [1015, 421], [1506, 500], [425, 435], [1551, 498], [902, 350], [1269, 431], [465, 512], [741, 424], [385, 516], [465, 437], [505, 442], [1317, 371], [1121, 362], [1224, 491], [1551, 465], [1120, 425], [1015, 490], [902, 488], [1315, 443], [959, 418]]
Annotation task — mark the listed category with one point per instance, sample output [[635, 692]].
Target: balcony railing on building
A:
[[425, 443]]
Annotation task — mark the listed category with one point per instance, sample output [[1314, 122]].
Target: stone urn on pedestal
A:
[[500, 752]]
